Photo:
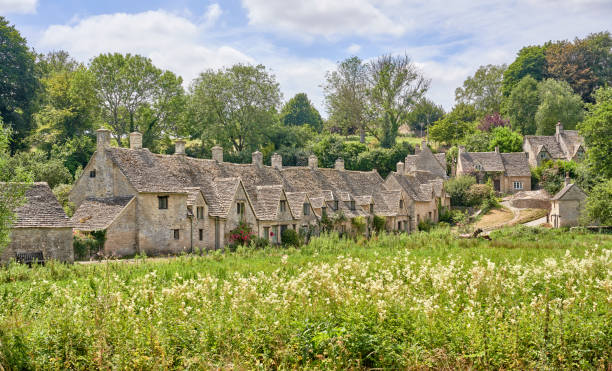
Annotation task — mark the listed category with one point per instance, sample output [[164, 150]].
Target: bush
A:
[[599, 204], [241, 235], [88, 244], [259, 243], [426, 225], [378, 223], [453, 217], [289, 237], [359, 225], [62, 192], [457, 189], [477, 193]]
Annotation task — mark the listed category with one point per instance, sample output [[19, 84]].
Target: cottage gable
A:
[[41, 209]]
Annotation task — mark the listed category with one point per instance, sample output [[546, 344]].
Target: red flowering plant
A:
[[241, 235]]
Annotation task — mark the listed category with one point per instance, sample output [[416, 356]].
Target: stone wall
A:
[[507, 183], [121, 235], [55, 243]]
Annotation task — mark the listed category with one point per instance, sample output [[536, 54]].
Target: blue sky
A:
[[300, 40]]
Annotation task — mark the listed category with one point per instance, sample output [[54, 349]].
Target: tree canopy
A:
[[597, 132], [484, 89], [300, 111], [557, 103]]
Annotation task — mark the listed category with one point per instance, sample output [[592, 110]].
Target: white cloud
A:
[[353, 49], [213, 12], [18, 6]]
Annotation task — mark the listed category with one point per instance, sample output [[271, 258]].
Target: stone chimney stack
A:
[[179, 147], [313, 162], [423, 144], [567, 179], [135, 140], [417, 149], [558, 130], [217, 153], [257, 159], [496, 149], [339, 165], [461, 149], [399, 167], [103, 138], [277, 161]]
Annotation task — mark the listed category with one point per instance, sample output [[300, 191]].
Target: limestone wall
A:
[[55, 243], [121, 235]]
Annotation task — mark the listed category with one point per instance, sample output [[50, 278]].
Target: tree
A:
[[235, 105], [598, 207], [18, 84], [557, 103], [494, 120], [531, 61], [346, 96], [597, 132], [477, 141], [424, 113], [483, 90], [299, 111], [455, 126], [506, 139], [522, 105], [395, 85]]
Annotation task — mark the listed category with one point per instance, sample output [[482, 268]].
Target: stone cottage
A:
[[567, 205], [564, 145], [41, 230], [509, 172]]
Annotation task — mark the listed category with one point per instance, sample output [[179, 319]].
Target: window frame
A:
[[162, 202], [240, 208], [283, 206], [200, 212], [515, 183], [176, 233], [352, 205], [306, 209], [92, 173], [201, 234]]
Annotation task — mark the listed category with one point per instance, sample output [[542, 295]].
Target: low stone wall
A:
[[54, 243], [530, 203]]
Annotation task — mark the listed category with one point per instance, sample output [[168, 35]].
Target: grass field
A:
[[527, 299]]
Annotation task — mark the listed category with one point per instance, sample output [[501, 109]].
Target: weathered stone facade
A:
[[567, 206], [564, 145]]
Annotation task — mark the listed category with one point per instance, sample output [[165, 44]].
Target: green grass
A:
[[527, 299]]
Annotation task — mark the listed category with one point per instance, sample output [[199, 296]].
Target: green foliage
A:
[[300, 111], [478, 194], [550, 175], [378, 223], [236, 106], [424, 113], [522, 106], [457, 188], [41, 168], [61, 192], [453, 217], [18, 84], [530, 61], [425, 225], [331, 147], [483, 90], [507, 140], [597, 132], [455, 126], [74, 153], [557, 103], [242, 234], [358, 225], [384, 160], [478, 141], [289, 237], [88, 245], [598, 208]]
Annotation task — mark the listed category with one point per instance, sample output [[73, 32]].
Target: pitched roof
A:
[[41, 209], [511, 164], [516, 164], [296, 201], [566, 194], [565, 148], [267, 201], [96, 214]]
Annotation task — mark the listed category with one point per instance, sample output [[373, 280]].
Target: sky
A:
[[299, 41]]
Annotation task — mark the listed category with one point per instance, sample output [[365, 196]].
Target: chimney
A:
[[277, 161], [461, 149], [567, 179], [399, 167], [417, 149], [135, 140], [217, 153], [313, 162], [103, 138], [339, 165], [179, 147], [496, 149], [423, 144], [257, 159], [558, 130]]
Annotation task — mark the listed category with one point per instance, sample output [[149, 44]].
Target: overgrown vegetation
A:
[[528, 299]]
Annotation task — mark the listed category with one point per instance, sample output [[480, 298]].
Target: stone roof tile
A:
[[96, 214], [41, 209]]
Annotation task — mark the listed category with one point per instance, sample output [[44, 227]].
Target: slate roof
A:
[[96, 214], [511, 164], [562, 194], [41, 209], [267, 201], [563, 149], [296, 201]]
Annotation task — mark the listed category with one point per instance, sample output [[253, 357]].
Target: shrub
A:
[[241, 235], [62, 191], [88, 244], [378, 223], [477, 193], [453, 217], [289, 237], [599, 204], [457, 189], [259, 243], [426, 225]]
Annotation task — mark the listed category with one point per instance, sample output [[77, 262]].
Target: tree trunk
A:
[[361, 134]]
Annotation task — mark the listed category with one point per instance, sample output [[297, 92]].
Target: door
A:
[[217, 232], [496, 185]]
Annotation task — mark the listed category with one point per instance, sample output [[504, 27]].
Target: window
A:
[[543, 155], [240, 208], [176, 234], [162, 202], [418, 218], [371, 208], [352, 205], [430, 215], [517, 185], [478, 167], [336, 205], [306, 209], [401, 204], [324, 211], [399, 226], [201, 234], [200, 212], [267, 233], [283, 206], [92, 174]]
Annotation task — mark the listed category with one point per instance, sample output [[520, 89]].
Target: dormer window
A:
[[336, 205], [478, 167], [92, 174], [306, 209], [371, 208], [240, 209], [543, 155], [352, 205], [200, 212], [283, 206], [162, 202], [401, 204]]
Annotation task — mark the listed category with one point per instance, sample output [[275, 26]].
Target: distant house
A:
[[567, 205], [564, 145], [41, 230], [509, 171]]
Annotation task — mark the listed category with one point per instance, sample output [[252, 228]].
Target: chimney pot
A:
[[179, 147], [313, 162], [339, 165], [217, 153], [257, 159], [103, 138], [135, 140], [461, 149], [399, 167], [277, 161], [558, 129], [496, 149], [567, 178]]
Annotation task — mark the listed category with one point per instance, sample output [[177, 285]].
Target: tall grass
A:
[[523, 300]]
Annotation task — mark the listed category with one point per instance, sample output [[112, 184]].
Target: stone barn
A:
[[567, 205], [41, 230]]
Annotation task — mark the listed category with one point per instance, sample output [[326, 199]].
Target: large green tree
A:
[[530, 60], [597, 132], [557, 103], [522, 105], [346, 97], [598, 207], [395, 86], [424, 113], [506, 139], [300, 111], [18, 84], [484, 89], [235, 106], [455, 125]]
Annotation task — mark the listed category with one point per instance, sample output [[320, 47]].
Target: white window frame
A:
[[517, 185]]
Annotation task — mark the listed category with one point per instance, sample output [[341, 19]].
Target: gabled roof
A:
[[96, 214], [296, 201], [41, 209], [425, 160], [267, 201], [225, 190], [516, 164], [511, 164], [570, 192], [392, 200], [563, 148]]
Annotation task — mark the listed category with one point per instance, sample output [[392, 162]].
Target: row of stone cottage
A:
[[167, 204]]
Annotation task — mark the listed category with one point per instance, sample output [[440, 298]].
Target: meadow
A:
[[526, 299]]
